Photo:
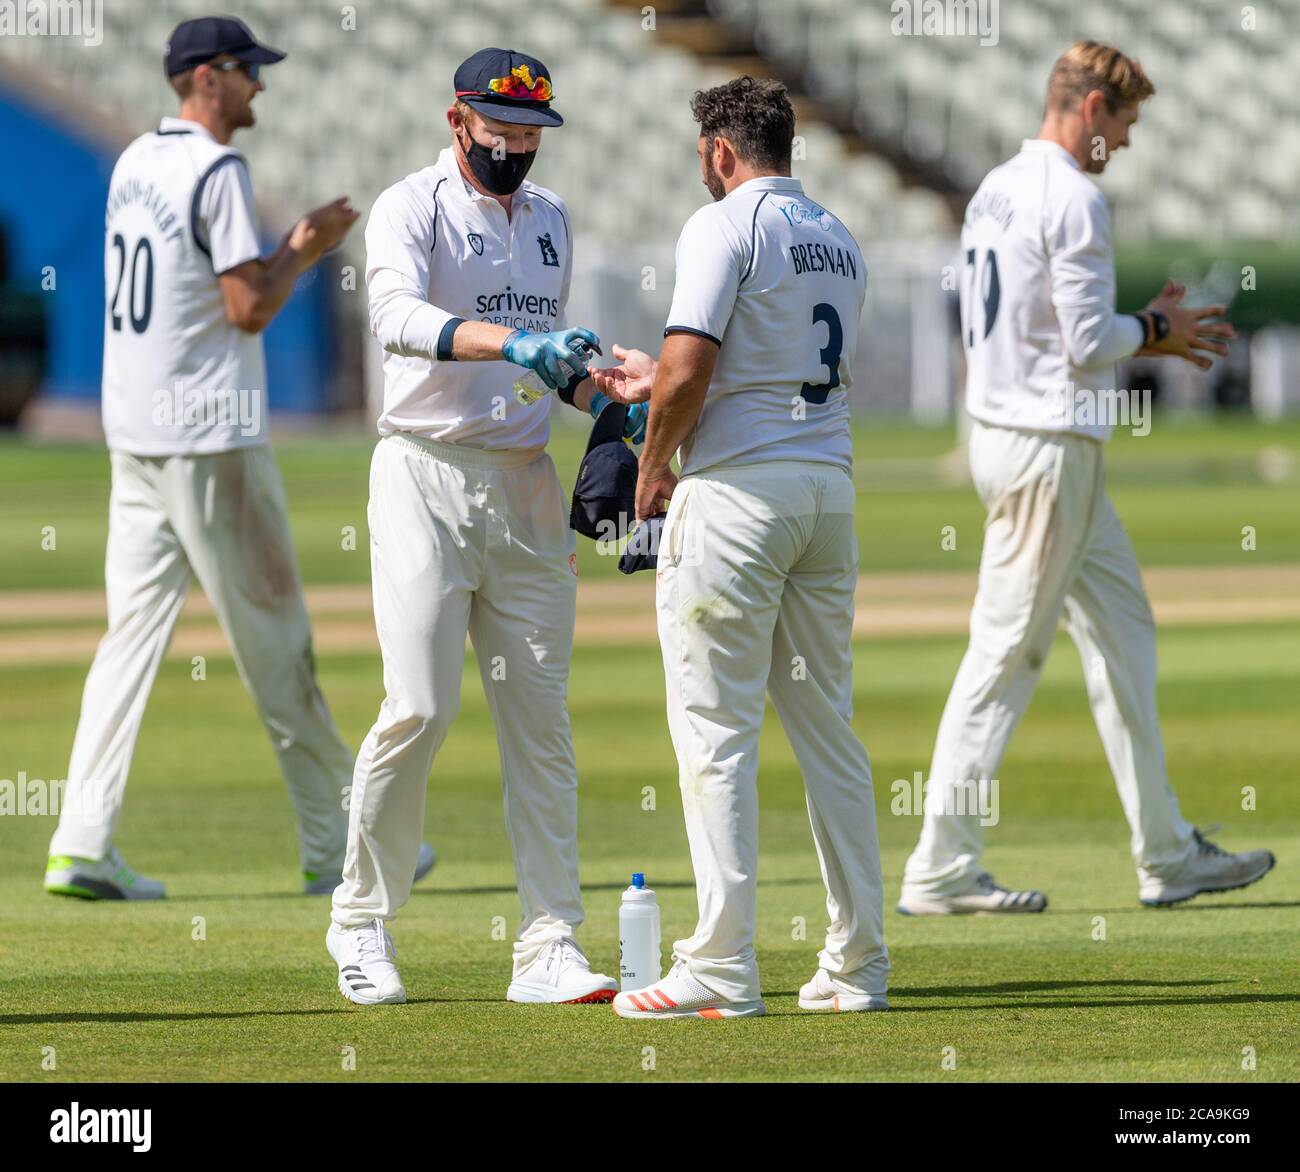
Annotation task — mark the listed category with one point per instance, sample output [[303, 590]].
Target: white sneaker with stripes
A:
[[828, 994], [680, 995], [365, 956], [982, 898]]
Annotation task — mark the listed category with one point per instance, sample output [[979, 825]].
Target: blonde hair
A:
[[1089, 65]]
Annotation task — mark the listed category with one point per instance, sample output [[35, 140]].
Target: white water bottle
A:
[[529, 387], [638, 936]]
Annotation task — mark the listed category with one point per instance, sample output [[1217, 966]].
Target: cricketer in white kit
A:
[[757, 560], [1042, 337], [195, 488], [468, 268]]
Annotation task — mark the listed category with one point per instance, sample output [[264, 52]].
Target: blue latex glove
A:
[[634, 428], [637, 414], [549, 355]]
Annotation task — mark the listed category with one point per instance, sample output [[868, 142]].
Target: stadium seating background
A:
[[360, 102]]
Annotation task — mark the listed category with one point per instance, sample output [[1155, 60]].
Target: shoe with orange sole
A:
[[561, 976], [680, 995]]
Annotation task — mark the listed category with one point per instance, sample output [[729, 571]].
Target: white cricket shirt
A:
[[778, 282], [437, 250], [178, 377], [1038, 313]]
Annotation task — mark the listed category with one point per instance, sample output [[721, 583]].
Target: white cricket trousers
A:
[[223, 518], [469, 541], [757, 566], [1052, 543]]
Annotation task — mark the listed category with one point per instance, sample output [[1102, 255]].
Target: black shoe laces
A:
[[1205, 846]]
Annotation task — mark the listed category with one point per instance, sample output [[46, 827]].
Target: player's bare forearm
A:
[[676, 399], [479, 341], [673, 412], [681, 382], [256, 291], [583, 394]]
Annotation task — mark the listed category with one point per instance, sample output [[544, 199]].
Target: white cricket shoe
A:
[[982, 898], [106, 878], [1210, 869], [561, 975], [365, 955], [680, 995], [313, 884], [826, 993]]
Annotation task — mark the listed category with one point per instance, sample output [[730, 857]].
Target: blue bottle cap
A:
[[638, 879]]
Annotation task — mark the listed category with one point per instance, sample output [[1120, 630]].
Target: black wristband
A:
[[1155, 326], [566, 392], [445, 335]]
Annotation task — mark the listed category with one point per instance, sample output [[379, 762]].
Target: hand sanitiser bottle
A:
[[529, 387], [638, 936]]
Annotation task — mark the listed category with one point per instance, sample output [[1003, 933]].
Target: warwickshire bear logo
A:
[[549, 255]]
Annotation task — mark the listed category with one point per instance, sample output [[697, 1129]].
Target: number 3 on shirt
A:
[[990, 288], [829, 355]]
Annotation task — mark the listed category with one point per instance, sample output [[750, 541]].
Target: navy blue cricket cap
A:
[[196, 42], [604, 495], [642, 549], [507, 85]]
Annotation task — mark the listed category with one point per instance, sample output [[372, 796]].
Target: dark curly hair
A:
[[754, 115]]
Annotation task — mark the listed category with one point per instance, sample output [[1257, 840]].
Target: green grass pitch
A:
[[229, 978]]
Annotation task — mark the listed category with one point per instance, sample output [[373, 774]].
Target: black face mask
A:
[[501, 176]]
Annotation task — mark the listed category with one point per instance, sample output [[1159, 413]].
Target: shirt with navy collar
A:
[[438, 252]]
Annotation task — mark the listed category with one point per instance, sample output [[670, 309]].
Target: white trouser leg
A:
[[521, 625], [1110, 621], [231, 514], [426, 559], [146, 577], [735, 542], [1043, 493], [719, 582], [811, 685]]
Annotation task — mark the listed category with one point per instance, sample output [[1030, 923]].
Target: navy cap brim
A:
[[516, 113], [259, 55], [253, 54]]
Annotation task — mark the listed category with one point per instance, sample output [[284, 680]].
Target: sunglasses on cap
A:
[[250, 68]]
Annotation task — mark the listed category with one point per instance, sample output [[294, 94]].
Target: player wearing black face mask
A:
[[468, 268], [499, 170], [511, 93]]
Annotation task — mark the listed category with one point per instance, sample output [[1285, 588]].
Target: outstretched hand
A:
[[1190, 333], [629, 382]]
